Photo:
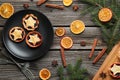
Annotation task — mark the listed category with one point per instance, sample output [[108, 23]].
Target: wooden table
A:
[[58, 18]]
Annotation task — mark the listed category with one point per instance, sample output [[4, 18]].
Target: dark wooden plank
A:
[[88, 36], [77, 51], [30, 1], [11, 72], [57, 17]]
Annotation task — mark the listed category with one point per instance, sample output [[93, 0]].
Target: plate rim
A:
[[13, 53]]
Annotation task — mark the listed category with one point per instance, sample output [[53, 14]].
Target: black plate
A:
[[22, 50]]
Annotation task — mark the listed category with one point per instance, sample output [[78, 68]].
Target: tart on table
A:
[[30, 22], [17, 34], [33, 39], [115, 70]]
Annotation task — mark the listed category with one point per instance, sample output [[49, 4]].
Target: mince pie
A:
[[17, 34], [30, 22], [34, 39], [115, 70]]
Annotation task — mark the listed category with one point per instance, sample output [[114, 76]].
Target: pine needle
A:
[[103, 27], [117, 27], [70, 69], [90, 2], [74, 72], [78, 64], [110, 30], [84, 12], [60, 71]]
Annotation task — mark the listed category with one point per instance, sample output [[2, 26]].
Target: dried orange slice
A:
[[105, 14], [6, 10], [60, 31], [67, 2], [66, 42], [44, 74], [77, 26]]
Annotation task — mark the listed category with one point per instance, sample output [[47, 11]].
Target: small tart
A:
[[34, 39], [115, 70], [30, 22], [17, 34]]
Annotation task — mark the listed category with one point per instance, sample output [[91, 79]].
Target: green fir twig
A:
[[111, 29], [74, 72]]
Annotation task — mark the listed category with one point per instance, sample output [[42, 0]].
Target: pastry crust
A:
[[115, 70], [17, 34], [33, 39], [30, 22]]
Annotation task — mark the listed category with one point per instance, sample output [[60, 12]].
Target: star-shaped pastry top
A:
[[30, 22], [34, 39], [17, 34], [115, 69]]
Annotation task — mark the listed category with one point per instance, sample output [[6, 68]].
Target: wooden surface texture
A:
[[58, 18]]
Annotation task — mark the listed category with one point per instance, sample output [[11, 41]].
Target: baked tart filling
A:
[[17, 34], [30, 22], [115, 70], [34, 39]]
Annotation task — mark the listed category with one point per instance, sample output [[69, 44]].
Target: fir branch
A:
[[110, 30], [60, 72], [74, 72], [84, 12], [95, 11], [92, 2], [104, 30], [70, 69], [101, 3], [104, 3], [115, 16], [78, 64], [114, 9], [116, 27], [112, 41]]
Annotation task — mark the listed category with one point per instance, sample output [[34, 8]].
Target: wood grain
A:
[[77, 51], [111, 58], [58, 18], [11, 71]]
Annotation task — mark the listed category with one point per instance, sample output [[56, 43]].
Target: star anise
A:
[[83, 43], [54, 63], [75, 7], [26, 5], [103, 75]]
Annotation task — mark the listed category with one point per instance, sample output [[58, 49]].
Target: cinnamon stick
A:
[[40, 2], [54, 6], [93, 48], [97, 58], [63, 57]]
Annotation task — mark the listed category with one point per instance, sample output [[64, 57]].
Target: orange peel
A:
[[77, 26], [66, 42], [67, 2], [44, 74], [105, 14], [60, 31], [6, 10]]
